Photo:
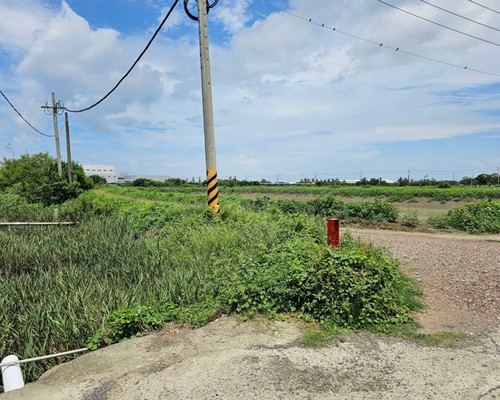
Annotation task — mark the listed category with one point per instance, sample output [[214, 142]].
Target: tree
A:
[[35, 179], [98, 179], [486, 179]]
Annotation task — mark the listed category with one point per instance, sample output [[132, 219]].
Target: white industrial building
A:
[[106, 171]]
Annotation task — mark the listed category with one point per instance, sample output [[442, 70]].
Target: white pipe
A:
[[35, 223], [16, 361], [12, 376]]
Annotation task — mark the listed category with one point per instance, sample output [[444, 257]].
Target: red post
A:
[[332, 227]]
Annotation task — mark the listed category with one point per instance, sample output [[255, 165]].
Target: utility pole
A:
[[55, 107], [68, 149], [208, 113], [498, 175]]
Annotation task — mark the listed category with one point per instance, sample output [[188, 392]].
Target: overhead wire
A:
[[133, 65], [460, 16], [482, 5], [382, 45], [24, 119], [187, 10], [439, 24]]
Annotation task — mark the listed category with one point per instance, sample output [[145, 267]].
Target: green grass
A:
[[412, 332], [391, 193], [320, 335], [139, 258]]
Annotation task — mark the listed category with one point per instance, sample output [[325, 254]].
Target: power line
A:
[[460, 16], [133, 65], [481, 5], [380, 44], [439, 24], [24, 119]]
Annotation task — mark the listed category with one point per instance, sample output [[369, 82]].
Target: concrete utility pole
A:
[[208, 113], [68, 149], [55, 107]]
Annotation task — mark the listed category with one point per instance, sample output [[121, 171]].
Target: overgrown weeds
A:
[[476, 217], [135, 262]]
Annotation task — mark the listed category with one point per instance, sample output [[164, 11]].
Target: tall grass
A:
[[58, 284], [136, 248]]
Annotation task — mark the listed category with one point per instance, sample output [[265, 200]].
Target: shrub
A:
[[331, 206], [355, 286], [98, 179], [35, 179], [58, 192], [481, 217], [410, 219]]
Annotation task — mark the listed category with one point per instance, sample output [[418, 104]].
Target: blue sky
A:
[[290, 97]]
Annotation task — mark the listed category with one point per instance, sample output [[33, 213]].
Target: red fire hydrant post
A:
[[333, 229]]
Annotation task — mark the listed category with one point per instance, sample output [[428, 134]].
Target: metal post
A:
[[56, 133], [333, 232], [68, 149], [208, 113]]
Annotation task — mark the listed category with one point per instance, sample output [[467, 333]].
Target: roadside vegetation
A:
[[476, 217], [143, 256], [137, 261]]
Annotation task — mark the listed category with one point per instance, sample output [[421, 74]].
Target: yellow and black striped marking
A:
[[213, 190]]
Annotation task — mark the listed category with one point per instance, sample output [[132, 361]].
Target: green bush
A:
[[35, 179], [354, 286], [58, 192], [330, 206], [478, 217], [410, 219], [98, 179]]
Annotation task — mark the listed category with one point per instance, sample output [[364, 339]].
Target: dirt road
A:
[[263, 359]]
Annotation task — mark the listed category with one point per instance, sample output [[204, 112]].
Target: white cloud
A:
[[288, 94], [19, 21], [233, 15]]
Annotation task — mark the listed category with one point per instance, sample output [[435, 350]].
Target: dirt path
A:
[[459, 275], [266, 360]]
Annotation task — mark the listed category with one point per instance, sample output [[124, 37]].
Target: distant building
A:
[[106, 171]]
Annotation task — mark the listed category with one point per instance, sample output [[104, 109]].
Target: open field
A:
[[393, 193], [424, 208]]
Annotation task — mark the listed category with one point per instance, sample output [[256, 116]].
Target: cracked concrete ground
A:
[[266, 360]]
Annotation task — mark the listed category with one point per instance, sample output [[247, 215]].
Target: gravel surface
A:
[[265, 359], [459, 275]]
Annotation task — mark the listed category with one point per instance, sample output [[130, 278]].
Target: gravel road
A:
[[265, 359], [459, 275]]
